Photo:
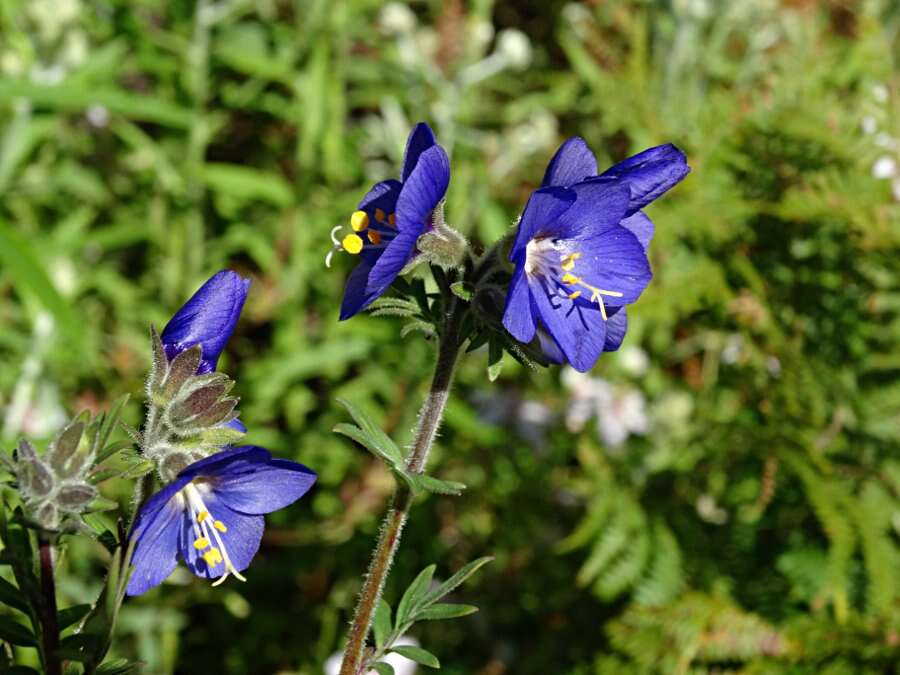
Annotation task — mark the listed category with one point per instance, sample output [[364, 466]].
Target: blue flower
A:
[[581, 251], [208, 319], [211, 515], [391, 217]]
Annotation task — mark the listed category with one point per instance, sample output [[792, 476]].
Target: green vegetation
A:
[[752, 524]]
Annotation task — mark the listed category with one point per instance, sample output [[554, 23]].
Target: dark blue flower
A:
[[391, 217], [211, 515], [207, 319], [580, 251]]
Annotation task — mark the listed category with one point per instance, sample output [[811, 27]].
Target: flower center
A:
[[544, 258], [208, 530], [377, 228]]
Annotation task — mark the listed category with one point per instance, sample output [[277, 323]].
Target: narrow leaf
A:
[[381, 625], [373, 432], [457, 579], [12, 596], [443, 610], [72, 615], [418, 655], [15, 633], [383, 668], [432, 484], [413, 595]]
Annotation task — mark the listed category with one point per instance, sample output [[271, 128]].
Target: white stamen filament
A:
[[204, 527]]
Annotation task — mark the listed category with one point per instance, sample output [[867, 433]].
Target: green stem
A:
[[392, 527], [49, 617]]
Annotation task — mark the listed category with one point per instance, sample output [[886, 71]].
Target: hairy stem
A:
[[49, 619], [401, 503]]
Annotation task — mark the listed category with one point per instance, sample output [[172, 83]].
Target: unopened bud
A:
[[76, 497], [442, 245], [180, 369], [47, 515], [64, 454], [35, 478], [197, 402]]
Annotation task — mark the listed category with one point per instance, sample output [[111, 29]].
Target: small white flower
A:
[[880, 93], [634, 360], [396, 18], [515, 46], [620, 411], [884, 167], [869, 124]]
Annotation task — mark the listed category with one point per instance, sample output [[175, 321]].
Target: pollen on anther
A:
[[574, 294], [352, 243], [374, 236], [212, 557], [220, 526], [201, 543], [379, 215], [359, 221], [569, 279], [203, 515]]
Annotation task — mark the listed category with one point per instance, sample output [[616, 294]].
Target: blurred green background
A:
[[722, 495]]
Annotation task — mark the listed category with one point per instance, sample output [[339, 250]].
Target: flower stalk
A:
[[401, 503], [49, 619]]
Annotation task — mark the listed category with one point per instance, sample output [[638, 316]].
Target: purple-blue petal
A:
[[263, 488], [382, 196], [616, 326], [231, 459], [649, 174], [549, 347], [577, 327], [155, 533], [392, 261], [542, 212], [572, 163], [208, 318], [241, 539], [423, 190], [517, 316], [612, 260], [356, 295], [421, 138], [599, 206], [237, 425], [641, 226]]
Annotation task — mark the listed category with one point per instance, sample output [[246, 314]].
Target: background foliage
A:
[[750, 524]]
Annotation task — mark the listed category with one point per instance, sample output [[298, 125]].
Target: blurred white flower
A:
[[515, 47], [400, 664], [733, 349], [884, 167], [634, 360], [396, 18], [880, 93], [481, 32], [97, 116], [710, 511], [620, 411], [869, 124]]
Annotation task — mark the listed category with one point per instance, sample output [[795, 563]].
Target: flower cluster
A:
[[210, 512], [579, 252]]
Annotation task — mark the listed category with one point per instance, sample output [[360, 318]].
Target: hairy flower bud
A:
[[74, 497], [179, 371], [69, 452]]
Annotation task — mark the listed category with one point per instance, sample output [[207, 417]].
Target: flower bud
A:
[[65, 454], [76, 496], [179, 370]]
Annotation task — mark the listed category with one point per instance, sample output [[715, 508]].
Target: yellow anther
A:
[[203, 515], [220, 526], [374, 236], [201, 543], [568, 262], [570, 279], [574, 294], [359, 221], [212, 557], [379, 215], [352, 243], [392, 219]]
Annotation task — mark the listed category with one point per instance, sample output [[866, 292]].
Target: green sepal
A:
[[462, 290]]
